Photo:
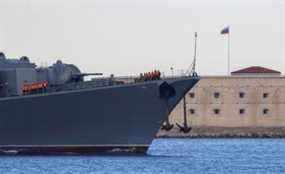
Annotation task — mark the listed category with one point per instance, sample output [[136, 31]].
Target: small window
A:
[[192, 111], [265, 111], [241, 111], [191, 94], [265, 95], [216, 111], [216, 95], [241, 95]]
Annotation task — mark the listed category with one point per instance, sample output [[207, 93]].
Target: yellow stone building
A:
[[251, 97]]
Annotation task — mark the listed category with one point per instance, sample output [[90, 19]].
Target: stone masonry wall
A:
[[235, 101]]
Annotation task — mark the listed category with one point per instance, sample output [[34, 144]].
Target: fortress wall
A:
[[235, 101]]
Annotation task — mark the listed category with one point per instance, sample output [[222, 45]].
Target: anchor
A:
[[185, 128], [166, 125], [166, 92]]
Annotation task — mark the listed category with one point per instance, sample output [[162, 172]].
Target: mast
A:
[[193, 70]]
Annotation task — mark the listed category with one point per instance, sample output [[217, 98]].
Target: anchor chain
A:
[[184, 128]]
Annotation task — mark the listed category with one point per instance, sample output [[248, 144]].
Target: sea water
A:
[[165, 156]]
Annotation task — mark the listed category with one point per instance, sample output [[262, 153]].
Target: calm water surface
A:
[[165, 156]]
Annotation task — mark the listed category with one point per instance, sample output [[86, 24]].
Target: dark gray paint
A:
[[118, 115]]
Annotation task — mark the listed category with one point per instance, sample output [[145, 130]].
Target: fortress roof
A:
[[255, 70]]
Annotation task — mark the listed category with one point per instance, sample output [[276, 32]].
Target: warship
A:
[[50, 110]]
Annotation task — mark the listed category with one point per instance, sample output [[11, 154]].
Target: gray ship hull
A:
[[125, 117]]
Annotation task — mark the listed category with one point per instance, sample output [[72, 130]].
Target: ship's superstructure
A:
[[21, 77], [52, 109]]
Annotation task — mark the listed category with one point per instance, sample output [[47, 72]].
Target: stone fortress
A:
[[249, 103]]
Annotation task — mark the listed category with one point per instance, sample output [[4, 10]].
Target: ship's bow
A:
[[181, 86]]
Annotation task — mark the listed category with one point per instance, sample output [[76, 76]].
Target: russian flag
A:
[[225, 30]]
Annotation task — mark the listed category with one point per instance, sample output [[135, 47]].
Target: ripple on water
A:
[[165, 156]]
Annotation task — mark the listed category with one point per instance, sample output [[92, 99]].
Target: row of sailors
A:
[[149, 76], [34, 86]]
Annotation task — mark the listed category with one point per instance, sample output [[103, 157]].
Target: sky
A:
[[127, 37]]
